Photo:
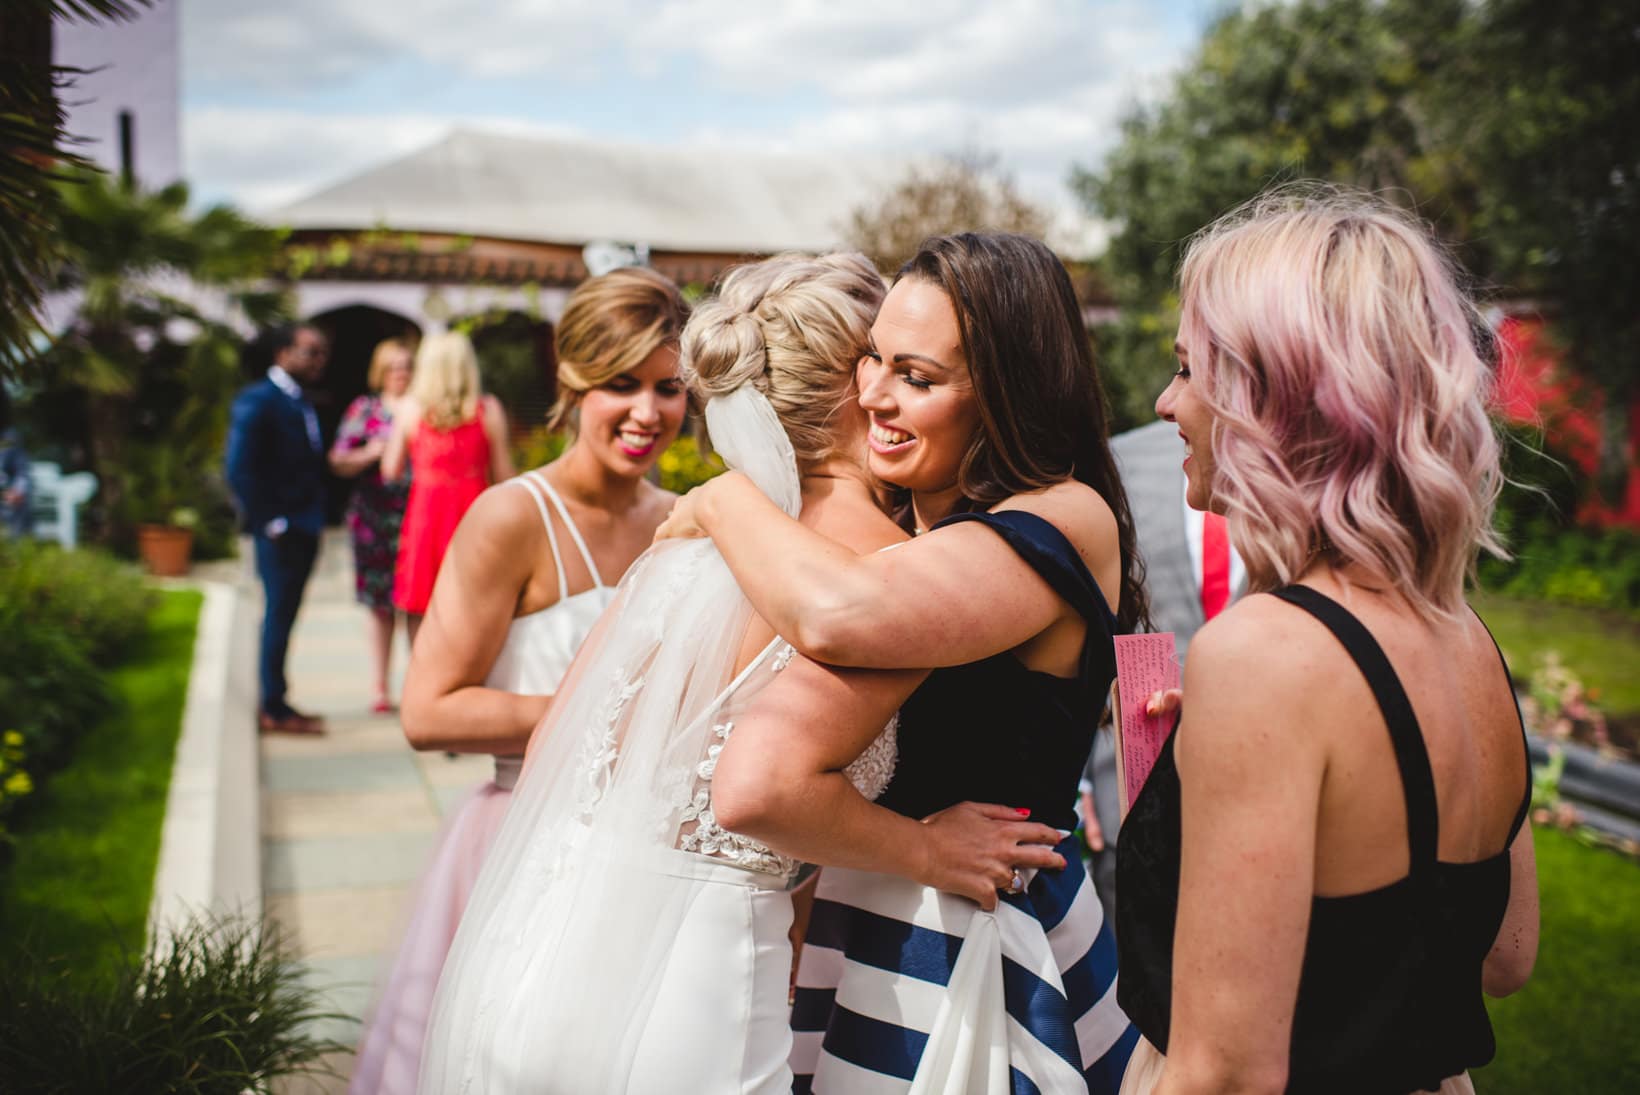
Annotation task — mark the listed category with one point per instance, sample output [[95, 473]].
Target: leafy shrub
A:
[[51, 691], [683, 466], [15, 782], [538, 447], [216, 1006], [1554, 558], [99, 602], [63, 616], [1600, 568]]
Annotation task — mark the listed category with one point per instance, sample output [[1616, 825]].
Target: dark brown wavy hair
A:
[[1041, 406]]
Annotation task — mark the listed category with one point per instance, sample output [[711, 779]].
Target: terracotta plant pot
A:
[[165, 550]]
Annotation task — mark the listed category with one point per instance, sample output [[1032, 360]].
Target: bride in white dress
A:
[[618, 939]]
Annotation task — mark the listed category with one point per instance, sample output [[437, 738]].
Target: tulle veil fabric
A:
[[551, 981]]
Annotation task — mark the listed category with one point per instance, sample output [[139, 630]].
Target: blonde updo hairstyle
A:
[[794, 327], [610, 325]]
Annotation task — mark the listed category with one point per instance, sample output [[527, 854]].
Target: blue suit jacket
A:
[[273, 468]]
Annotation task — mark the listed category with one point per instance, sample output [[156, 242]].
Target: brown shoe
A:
[[292, 723]]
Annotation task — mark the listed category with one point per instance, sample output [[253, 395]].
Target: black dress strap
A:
[[1509, 679], [1411, 757], [1040, 543]]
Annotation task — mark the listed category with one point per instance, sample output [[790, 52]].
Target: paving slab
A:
[[357, 733], [297, 815], [349, 772], [337, 862], [343, 923], [348, 820]]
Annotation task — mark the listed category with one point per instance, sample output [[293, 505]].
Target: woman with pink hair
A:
[[1328, 866]]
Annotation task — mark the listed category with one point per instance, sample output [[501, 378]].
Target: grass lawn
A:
[[80, 885], [1571, 1028], [1603, 649]]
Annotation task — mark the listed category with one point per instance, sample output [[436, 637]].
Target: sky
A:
[[280, 98]]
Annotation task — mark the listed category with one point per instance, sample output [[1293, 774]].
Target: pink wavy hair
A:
[[1349, 394]]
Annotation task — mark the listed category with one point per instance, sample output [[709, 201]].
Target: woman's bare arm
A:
[[348, 463], [484, 573], [495, 431], [1514, 952], [1251, 779], [845, 609], [396, 454], [780, 780]]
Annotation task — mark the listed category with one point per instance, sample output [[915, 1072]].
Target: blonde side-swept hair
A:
[[794, 327], [1343, 363], [385, 349], [610, 325], [445, 383]]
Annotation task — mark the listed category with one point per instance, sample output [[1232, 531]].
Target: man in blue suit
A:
[[276, 467]]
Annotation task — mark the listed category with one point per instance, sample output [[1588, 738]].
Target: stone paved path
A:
[[348, 820]]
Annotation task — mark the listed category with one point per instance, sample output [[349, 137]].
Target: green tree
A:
[[1510, 125], [966, 193], [1546, 105], [151, 355], [1331, 89], [34, 150]]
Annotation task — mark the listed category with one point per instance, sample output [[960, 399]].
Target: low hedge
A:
[[98, 601], [64, 617], [1578, 566], [1555, 558]]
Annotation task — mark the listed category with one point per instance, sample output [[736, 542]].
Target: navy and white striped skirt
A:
[[880, 987]]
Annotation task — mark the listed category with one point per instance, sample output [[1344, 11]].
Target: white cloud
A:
[[298, 44], [1041, 83]]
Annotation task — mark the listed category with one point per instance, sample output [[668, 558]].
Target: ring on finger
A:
[[1016, 884]]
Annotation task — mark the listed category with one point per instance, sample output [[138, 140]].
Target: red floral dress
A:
[[376, 509]]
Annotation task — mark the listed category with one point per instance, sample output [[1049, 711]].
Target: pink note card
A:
[[1145, 664]]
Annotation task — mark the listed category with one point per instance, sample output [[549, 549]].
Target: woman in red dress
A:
[[455, 440]]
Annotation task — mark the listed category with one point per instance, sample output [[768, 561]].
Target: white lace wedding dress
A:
[[619, 940]]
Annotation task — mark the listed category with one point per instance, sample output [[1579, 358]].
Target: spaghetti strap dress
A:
[[1389, 993], [533, 660], [450, 469], [904, 989]]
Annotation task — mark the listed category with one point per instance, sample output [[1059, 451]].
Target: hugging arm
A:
[[872, 610], [780, 780]]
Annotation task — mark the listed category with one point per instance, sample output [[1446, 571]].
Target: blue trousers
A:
[[283, 565]]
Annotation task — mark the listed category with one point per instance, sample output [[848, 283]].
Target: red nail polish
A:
[[1022, 812]]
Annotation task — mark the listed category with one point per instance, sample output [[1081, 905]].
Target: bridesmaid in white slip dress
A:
[[474, 686]]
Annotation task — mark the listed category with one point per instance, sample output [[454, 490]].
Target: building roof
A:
[[573, 191]]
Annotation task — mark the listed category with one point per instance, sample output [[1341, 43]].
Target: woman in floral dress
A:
[[377, 507]]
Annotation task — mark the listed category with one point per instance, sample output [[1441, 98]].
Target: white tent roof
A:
[[575, 191]]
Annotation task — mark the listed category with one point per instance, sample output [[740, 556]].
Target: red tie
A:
[[1215, 565]]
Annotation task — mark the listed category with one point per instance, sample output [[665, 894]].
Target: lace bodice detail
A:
[[700, 833]]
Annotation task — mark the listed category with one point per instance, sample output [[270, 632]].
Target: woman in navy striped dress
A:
[[991, 631]]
